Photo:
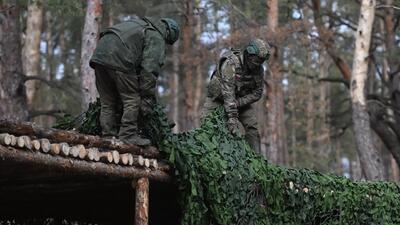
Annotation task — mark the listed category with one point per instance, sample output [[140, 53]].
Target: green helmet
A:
[[258, 47], [172, 30]]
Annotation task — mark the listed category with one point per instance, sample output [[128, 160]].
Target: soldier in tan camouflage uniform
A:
[[127, 61], [236, 83]]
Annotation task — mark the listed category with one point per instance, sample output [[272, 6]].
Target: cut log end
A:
[[141, 160], [154, 163], [55, 149], [130, 159], [147, 163], [13, 140], [44, 145], [5, 139], [35, 145], [82, 152], [27, 142], [116, 157], [74, 152], [20, 142], [64, 149], [124, 159]]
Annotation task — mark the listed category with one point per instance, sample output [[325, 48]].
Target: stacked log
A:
[[74, 138], [79, 151]]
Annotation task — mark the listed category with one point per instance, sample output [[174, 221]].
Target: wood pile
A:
[[77, 151]]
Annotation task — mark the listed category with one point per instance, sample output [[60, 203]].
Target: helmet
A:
[[258, 47], [172, 30]]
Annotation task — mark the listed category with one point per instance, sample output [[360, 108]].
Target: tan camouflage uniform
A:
[[236, 87]]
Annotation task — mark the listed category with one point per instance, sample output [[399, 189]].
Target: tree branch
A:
[[6, 9], [387, 6], [335, 80]]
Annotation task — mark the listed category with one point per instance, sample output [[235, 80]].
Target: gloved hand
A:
[[233, 126]]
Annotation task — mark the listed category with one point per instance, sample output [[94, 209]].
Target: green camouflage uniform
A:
[[236, 89], [127, 61]]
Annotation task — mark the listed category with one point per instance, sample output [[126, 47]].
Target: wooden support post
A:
[[142, 202]]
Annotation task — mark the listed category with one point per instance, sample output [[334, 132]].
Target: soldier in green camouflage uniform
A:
[[127, 61], [236, 83]]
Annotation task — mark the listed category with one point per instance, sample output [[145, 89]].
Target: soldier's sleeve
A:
[[228, 89], [255, 95], [153, 56]]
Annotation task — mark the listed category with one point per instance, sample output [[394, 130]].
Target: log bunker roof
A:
[[29, 144]]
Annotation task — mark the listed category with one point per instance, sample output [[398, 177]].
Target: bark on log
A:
[[72, 137], [142, 202], [79, 166]]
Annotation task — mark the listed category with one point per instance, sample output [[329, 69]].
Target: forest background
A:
[[305, 115]]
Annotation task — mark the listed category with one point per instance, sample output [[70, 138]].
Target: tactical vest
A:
[[244, 82]]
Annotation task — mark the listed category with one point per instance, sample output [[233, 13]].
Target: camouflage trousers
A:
[[247, 117], [122, 102]]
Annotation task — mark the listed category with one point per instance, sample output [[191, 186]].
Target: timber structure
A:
[[36, 159]]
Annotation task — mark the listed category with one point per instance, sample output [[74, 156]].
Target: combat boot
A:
[[135, 139]]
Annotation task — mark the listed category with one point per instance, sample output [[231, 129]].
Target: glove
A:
[[233, 126]]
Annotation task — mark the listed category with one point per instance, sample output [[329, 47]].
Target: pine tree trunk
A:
[[12, 89], [369, 157], [174, 87], [199, 73], [89, 42], [324, 144], [274, 105], [31, 52], [188, 62], [310, 108]]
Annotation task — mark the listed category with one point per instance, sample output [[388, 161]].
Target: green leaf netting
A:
[[86, 123], [223, 182]]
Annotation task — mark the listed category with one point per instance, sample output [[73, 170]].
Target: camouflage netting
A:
[[224, 182]]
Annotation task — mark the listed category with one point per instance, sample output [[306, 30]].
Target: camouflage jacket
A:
[[234, 85], [132, 46]]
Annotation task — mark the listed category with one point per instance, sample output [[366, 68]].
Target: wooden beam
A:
[[74, 138], [79, 166], [142, 202]]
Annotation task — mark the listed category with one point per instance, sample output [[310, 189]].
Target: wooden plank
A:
[[74, 138], [142, 202], [79, 166]]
